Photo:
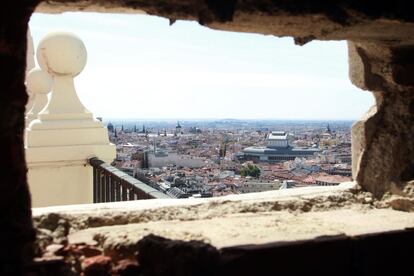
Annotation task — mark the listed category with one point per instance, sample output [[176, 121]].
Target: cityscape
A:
[[210, 158]]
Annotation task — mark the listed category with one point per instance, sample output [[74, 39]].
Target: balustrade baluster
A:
[[94, 185], [107, 187], [101, 186], [113, 188], [124, 190], [118, 190], [131, 194]]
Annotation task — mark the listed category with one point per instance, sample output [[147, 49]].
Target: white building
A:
[[277, 150], [277, 139], [255, 186], [160, 161]]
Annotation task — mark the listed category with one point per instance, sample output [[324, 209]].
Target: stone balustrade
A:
[[61, 134]]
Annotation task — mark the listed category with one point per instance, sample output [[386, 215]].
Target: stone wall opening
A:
[[170, 73], [379, 60]]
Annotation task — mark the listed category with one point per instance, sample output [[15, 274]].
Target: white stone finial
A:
[[38, 81], [39, 84], [63, 55], [64, 120]]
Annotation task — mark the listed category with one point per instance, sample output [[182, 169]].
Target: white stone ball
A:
[[38, 81], [61, 54]]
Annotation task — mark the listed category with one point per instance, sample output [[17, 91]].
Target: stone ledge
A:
[[249, 228], [344, 201], [127, 206], [116, 230]]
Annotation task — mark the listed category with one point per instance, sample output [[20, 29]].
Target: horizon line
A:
[[224, 119]]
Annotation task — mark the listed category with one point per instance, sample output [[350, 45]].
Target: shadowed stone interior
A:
[[381, 57]]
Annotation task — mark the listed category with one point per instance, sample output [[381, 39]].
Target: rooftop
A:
[[265, 150], [277, 135]]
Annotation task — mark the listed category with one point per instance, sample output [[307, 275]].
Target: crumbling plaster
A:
[[124, 230], [383, 141], [305, 20], [81, 220]]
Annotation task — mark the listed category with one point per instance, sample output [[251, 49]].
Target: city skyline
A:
[[140, 67]]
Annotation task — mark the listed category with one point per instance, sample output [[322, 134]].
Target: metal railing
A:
[[111, 184]]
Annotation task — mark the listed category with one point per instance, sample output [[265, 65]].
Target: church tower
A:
[[178, 129]]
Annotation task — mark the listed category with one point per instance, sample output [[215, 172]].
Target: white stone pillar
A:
[[65, 135]]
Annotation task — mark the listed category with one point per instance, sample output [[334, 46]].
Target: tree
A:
[[250, 170]]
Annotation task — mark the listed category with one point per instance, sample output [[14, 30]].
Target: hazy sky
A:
[[140, 67]]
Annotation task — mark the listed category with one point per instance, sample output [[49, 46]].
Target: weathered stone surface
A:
[[381, 66], [364, 255], [388, 159], [359, 137], [43, 239], [257, 227], [89, 251], [224, 222], [126, 268], [401, 203], [48, 266], [97, 266], [300, 200], [78, 238], [54, 249], [179, 258], [383, 147], [352, 20], [259, 218]]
